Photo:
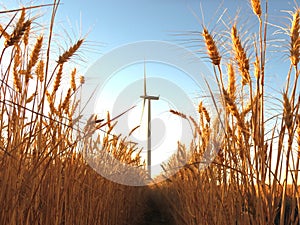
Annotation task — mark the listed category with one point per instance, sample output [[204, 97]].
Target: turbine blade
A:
[[116, 117], [143, 109]]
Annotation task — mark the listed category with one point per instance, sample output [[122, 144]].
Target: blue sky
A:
[[110, 24], [114, 23], [117, 22]]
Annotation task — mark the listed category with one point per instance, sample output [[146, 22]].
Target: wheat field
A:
[[44, 176]]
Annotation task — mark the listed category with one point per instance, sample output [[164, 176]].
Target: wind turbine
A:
[[149, 98]]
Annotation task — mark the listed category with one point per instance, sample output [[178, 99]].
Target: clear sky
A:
[[114, 23]]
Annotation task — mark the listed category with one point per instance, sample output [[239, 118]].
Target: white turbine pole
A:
[[149, 98], [149, 138]]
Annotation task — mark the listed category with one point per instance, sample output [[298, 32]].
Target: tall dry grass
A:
[[44, 176], [247, 182]]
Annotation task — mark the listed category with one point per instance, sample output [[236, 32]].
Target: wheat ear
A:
[[17, 34], [70, 52], [40, 70], [34, 57], [66, 102], [257, 68], [287, 111], [26, 35], [211, 47], [240, 56], [295, 40], [73, 83], [57, 79], [256, 7], [16, 74], [81, 80], [178, 114], [231, 81], [203, 110]]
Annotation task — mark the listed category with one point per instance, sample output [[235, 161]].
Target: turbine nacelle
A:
[[149, 97]]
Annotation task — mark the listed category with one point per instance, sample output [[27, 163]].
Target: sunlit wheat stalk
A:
[[211, 47], [256, 7], [240, 56], [34, 57], [231, 82], [295, 41], [70, 52]]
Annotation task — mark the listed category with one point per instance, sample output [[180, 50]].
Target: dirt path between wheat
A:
[[156, 215]]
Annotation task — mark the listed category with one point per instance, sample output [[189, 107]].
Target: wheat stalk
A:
[[31, 97], [57, 80], [4, 33], [231, 81], [240, 56], [182, 115], [17, 34], [211, 47], [298, 134], [35, 53], [70, 52], [26, 35], [34, 57], [231, 105], [73, 83], [256, 7], [50, 100], [66, 102], [257, 68], [203, 110], [81, 80], [295, 40], [40, 70], [16, 74], [287, 111], [251, 105]]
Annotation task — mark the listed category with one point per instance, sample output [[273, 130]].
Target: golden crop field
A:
[[45, 179]]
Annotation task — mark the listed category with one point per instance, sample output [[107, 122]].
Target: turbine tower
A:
[[149, 98]]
